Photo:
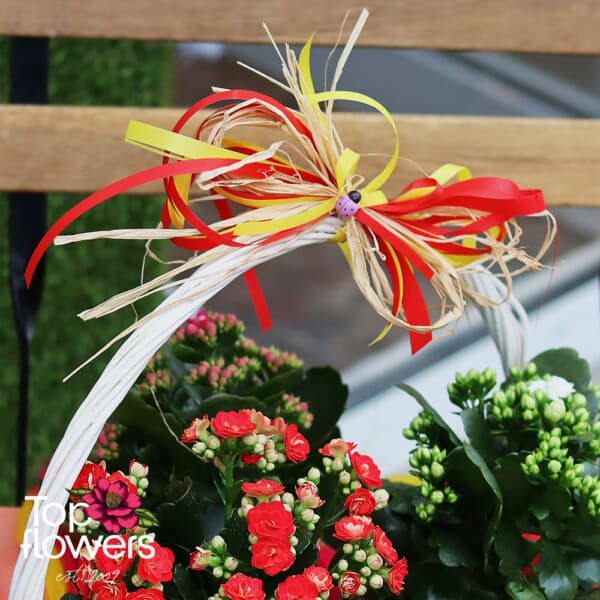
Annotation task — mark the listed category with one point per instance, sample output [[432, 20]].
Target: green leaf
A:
[[517, 491], [555, 501], [145, 419], [470, 475], [514, 552], [587, 568], [285, 382], [453, 551], [235, 534], [523, 590], [186, 585], [555, 572], [326, 395], [402, 496], [436, 416], [147, 518], [181, 516], [186, 353], [565, 363], [227, 402], [478, 432]]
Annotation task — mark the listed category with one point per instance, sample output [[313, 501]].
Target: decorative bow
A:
[[434, 228]]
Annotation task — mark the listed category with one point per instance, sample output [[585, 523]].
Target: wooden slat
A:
[[559, 26], [80, 149]]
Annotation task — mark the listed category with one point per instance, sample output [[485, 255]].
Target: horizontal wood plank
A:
[[80, 149], [511, 25]]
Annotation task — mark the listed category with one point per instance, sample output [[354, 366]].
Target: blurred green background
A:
[[79, 276]]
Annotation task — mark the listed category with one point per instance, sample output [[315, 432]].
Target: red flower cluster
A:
[[242, 587], [103, 577], [308, 586], [261, 440], [273, 524]]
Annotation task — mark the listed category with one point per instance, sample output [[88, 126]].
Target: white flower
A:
[[555, 387]]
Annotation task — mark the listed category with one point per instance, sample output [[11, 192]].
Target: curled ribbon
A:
[[437, 228]]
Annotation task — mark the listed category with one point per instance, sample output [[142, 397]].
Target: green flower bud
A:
[[437, 470]]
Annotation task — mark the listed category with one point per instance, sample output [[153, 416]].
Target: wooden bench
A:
[[80, 149]]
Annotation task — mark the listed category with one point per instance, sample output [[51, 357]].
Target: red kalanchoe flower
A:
[[297, 587], [114, 567], [232, 424], [263, 488], [337, 448], [88, 476], [297, 447], [397, 575], [272, 554], [242, 587], [113, 505], [360, 502], [384, 546], [146, 594], [354, 528], [195, 430], [159, 567], [349, 584], [271, 519], [366, 469], [250, 459], [104, 589], [320, 577]]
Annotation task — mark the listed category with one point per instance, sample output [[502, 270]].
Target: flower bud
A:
[[365, 572], [314, 475], [342, 565], [218, 572], [307, 515], [437, 471], [231, 563], [218, 543], [143, 483], [345, 478], [137, 469], [360, 556], [347, 548], [375, 561], [213, 442], [381, 496], [376, 582], [337, 464]]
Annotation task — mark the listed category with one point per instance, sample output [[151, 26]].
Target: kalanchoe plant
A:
[[513, 510], [239, 477]]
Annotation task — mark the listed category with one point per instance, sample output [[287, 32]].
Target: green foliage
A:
[[80, 276], [526, 521]]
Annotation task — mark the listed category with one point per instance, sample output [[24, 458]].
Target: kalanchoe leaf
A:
[[515, 552], [186, 353], [79, 492], [479, 433], [523, 590], [587, 567], [452, 437], [227, 402], [553, 501], [186, 585], [555, 571], [453, 550], [517, 491], [326, 395], [469, 472], [147, 518], [283, 382], [565, 363]]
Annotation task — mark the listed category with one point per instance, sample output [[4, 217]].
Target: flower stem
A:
[[227, 476]]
